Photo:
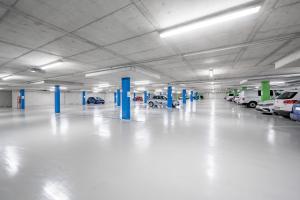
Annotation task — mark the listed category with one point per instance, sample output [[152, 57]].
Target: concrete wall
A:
[[46, 98], [5, 99]]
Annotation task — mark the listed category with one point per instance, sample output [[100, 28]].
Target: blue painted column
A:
[[57, 99], [22, 96], [170, 101], [184, 96], [115, 98], [118, 97], [191, 96], [83, 98], [145, 97], [126, 98]]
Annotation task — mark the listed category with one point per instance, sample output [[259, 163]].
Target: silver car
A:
[[160, 100]]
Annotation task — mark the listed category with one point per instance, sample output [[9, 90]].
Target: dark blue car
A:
[[95, 100]]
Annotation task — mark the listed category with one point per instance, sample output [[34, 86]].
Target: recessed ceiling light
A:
[[205, 22]]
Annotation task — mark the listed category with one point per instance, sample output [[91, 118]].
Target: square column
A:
[[57, 99], [145, 97], [126, 98], [118, 97], [22, 96], [265, 90], [184, 96], [170, 100], [83, 98]]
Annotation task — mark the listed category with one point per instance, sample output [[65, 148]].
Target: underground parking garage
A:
[[149, 99]]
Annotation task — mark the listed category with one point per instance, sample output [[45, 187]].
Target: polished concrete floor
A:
[[208, 150]]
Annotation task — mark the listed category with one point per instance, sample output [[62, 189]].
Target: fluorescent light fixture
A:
[[4, 75], [211, 72], [141, 89], [141, 82], [52, 65], [277, 83], [243, 81], [205, 22], [103, 85], [7, 77], [52, 89], [108, 71], [38, 82], [288, 60]]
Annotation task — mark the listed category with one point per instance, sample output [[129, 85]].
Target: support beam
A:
[[192, 96], [184, 96], [126, 98], [265, 90], [57, 99], [22, 97], [170, 100], [83, 98], [118, 97]]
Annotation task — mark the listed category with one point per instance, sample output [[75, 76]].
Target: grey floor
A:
[[208, 150]]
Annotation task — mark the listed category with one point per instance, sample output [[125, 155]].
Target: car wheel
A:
[[252, 104], [151, 104]]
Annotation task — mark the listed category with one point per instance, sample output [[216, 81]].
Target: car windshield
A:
[[98, 98], [287, 95]]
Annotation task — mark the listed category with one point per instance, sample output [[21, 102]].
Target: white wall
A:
[[46, 98], [5, 99]]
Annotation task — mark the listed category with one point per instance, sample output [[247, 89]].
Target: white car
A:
[[284, 103], [266, 107], [250, 98], [236, 99], [229, 97], [160, 100]]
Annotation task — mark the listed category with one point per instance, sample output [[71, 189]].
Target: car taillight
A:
[[290, 101]]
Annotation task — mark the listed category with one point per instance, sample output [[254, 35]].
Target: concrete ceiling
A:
[[92, 35]]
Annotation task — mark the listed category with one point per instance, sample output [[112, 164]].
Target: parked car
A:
[[236, 99], [266, 107], [160, 100], [95, 100], [138, 99], [284, 103], [295, 114], [229, 97], [250, 98]]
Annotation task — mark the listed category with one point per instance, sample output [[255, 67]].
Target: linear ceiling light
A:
[[7, 77], [38, 82], [287, 60], [243, 81], [218, 19], [123, 69], [103, 85], [108, 71], [4, 75], [146, 82], [52, 65]]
